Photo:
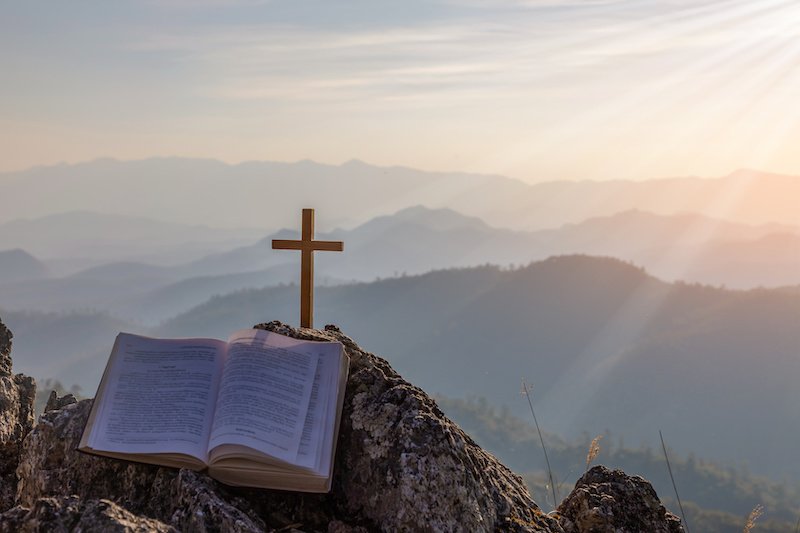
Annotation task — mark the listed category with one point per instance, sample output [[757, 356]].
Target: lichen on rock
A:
[[5, 349], [71, 513], [17, 393], [610, 501], [401, 465], [56, 402]]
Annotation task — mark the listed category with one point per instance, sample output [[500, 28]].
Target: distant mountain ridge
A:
[[251, 194], [606, 345], [416, 240], [269, 194], [18, 265], [78, 239]]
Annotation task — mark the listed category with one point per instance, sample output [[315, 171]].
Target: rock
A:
[[401, 465], [55, 402], [610, 501], [51, 466], [17, 394], [73, 514], [5, 350]]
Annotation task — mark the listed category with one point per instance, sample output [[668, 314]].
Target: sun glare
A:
[[695, 90]]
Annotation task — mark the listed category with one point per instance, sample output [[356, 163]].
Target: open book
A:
[[260, 410]]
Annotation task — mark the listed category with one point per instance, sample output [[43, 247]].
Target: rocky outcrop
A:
[[610, 501], [56, 402], [5, 350], [401, 465], [70, 513], [17, 393]]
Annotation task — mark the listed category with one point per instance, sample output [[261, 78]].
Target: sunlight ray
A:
[[671, 90]]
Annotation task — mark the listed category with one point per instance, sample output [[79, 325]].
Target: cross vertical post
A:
[[307, 272], [307, 246]]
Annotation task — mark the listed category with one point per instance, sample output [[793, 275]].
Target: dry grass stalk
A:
[[526, 391], [594, 450], [674, 486], [751, 519]]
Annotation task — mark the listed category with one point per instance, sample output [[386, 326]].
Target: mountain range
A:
[[269, 194], [72, 241], [415, 240], [605, 345], [650, 340], [18, 265]]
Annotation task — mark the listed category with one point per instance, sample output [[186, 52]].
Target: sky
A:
[[533, 89]]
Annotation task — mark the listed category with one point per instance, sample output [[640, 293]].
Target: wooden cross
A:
[[307, 245]]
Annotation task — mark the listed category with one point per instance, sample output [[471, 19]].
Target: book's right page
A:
[[264, 395], [311, 469], [320, 425]]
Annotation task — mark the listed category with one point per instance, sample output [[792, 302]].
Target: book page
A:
[[264, 395], [319, 423], [159, 396]]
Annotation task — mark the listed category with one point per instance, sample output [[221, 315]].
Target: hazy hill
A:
[[416, 240], [74, 240], [167, 301], [18, 265], [413, 240], [254, 194], [606, 346], [71, 347], [270, 195], [643, 230], [769, 260], [99, 288], [716, 496], [686, 246], [746, 196]]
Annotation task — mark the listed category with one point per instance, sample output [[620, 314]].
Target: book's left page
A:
[[156, 401]]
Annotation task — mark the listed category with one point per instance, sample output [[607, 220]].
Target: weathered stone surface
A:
[[55, 402], [16, 418], [610, 501], [67, 514], [401, 465], [5, 350], [51, 466]]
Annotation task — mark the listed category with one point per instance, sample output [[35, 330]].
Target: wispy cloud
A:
[[536, 76]]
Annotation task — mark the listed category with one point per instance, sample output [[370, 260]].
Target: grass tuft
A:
[[752, 517], [594, 451]]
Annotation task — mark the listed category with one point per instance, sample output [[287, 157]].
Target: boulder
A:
[[610, 501], [5, 349], [66, 514], [17, 394], [401, 465], [56, 402]]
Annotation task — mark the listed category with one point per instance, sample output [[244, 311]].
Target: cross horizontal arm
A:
[[325, 246], [328, 246]]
